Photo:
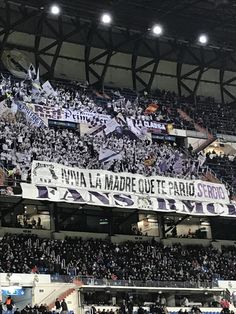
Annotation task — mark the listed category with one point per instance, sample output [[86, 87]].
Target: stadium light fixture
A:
[[55, 9], [203, 39], [106, 18], [157, 29]]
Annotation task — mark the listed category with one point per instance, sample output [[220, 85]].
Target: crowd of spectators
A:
[[21, 142], [36, 309], [224, 166], [217, 117], [102, 259], [204, 111], [83, 98], [23, 221]]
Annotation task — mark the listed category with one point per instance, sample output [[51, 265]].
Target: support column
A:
[[54, 218], [161, 226], [171, 300], [80, 302], [77, 309]]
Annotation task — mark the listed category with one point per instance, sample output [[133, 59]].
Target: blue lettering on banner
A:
[[30, 115], [73, 195]]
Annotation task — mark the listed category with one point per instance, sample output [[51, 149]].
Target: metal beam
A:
[[58, 49], [188, 89], [22, 20], [107, 62], [129, 38], [180, 57], [37, 40], [134, 62], [229, 94], [200, 73], [155, 67], [87, 50], [176, 224], [64, 37], [221, 79]]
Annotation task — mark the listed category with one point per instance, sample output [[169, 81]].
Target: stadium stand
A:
[[76, 239], [21, 142], [146, 261], [219, 118], [225, 167]]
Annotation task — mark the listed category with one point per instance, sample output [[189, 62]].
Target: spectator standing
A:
[[225, 306], [9, 304], [57, 305], [163, 301], [123, 308], [130, 307], [64, 307]]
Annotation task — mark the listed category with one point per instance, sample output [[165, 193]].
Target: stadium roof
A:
[[182, 19]]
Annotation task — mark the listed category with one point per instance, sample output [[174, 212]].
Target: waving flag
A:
[[151, 108], [106, 155]]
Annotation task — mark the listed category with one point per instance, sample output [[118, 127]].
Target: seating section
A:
[[218, 118], [225, 168], [121, 150], [127, 261]]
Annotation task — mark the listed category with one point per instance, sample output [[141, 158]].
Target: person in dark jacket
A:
[[64, 307], [1, 309], [57, 305], [9, 304]]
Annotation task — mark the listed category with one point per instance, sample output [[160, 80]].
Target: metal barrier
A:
[[91, 281]]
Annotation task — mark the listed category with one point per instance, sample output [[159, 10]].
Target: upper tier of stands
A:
[[207, 112], [217, 117], [225, 168], [20, 142]]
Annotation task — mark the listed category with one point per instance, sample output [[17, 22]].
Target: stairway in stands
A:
[[210, 137], [60, 297], [209, 175], [62, 292]]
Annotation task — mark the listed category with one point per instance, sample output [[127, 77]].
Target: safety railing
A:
[[91, 281]]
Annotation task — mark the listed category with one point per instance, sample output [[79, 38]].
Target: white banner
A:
[[151, 126], [70, 115], [78, 196], [48, 173], [30, 115], [139, 132], [97, 119]]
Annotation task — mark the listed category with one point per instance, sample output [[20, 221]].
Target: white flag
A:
[[111, 126], [31, 72], [106, 155], [201, 160], [48, 89]]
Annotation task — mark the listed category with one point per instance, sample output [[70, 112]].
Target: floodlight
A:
[[106, 18], [55, 9], [157, 29], [203, 39]]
